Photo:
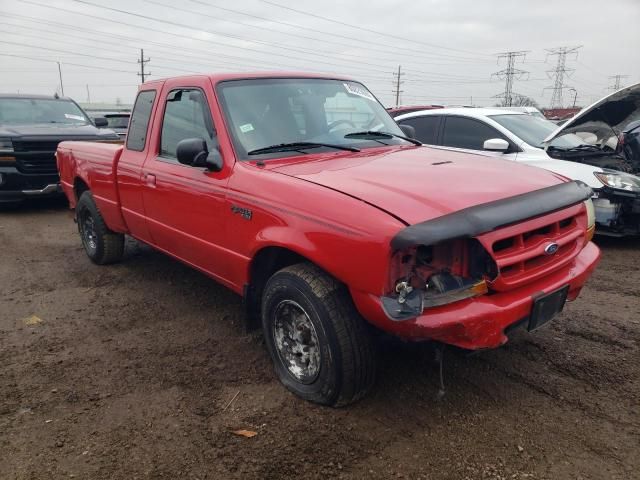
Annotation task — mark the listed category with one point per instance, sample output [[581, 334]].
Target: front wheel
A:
[[320, 346], [102, 245]]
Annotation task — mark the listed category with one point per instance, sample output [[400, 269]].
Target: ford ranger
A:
[[301, 193]]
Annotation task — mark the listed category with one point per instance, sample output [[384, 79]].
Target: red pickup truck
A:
[[300, 193]]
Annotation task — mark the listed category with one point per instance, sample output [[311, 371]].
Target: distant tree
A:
[[118, 101], [519, 101]]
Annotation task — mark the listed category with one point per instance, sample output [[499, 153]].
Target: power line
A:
[[398, 82], [617, 82], [510, 74], [142, 63], [66, 63], [560, 72], [384, 34], [244, 48]]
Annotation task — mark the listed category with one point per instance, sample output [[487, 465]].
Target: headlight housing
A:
[[6, 146], [431, 276], [619, 180]]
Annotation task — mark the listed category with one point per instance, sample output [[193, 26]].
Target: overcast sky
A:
[[446, 47]]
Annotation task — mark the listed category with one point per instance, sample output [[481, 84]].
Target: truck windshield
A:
[[264, 113], [27, 111], [534, 130]]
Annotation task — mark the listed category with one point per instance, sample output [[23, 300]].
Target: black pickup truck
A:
[[31, 126]]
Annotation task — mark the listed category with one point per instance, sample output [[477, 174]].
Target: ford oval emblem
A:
[[551, 248]]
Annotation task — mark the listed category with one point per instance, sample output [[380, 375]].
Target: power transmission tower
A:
[[617, 82], [142, 63], [397, 81], [510, 74], [560, 72]]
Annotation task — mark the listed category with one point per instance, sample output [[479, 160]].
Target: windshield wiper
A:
[[299, 146], [375, 133], [579, 148]]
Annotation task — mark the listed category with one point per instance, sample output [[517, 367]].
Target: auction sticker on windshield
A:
[[73, 117], [359, 90]]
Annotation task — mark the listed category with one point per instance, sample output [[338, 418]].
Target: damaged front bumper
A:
[[480, 322], [617, 212]]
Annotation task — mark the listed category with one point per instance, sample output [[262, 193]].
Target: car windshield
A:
[[269, 112], [26, 111], [117, 121], [533, 130]]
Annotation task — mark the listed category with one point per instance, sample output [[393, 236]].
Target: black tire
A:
[[346, 368], [102, 245]]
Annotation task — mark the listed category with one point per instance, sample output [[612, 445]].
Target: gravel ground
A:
[[142, 370]]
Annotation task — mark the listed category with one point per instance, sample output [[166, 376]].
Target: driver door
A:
[[469, 134], [185, 204]]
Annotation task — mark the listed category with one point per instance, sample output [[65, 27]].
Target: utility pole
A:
[[60, 75], [510, 74], [560, 72], [617, 82], [142, 63], [88, 94], [398, 82]]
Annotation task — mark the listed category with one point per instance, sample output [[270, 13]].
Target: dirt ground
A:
[[142, 370]]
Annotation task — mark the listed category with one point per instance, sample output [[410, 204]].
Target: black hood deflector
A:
[[486, 217]]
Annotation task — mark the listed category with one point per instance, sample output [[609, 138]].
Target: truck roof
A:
[[219, 77]]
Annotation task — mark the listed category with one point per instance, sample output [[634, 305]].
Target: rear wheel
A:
[[321, 348], [102, 245]]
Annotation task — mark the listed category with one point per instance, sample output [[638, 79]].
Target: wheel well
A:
[[79, 187], [264, 264]]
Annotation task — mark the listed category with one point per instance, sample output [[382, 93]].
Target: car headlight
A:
[[6, 146], [619, 180]]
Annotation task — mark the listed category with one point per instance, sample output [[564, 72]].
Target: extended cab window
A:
[[468, 133], [426, 127], [186, 115], [137, 134]]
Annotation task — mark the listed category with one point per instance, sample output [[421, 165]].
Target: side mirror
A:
[[408, 131], [100, 122], [194, 152], [496, 145]]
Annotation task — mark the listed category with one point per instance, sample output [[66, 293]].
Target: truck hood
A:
[[612, 112], [415, 184], [53, 130]]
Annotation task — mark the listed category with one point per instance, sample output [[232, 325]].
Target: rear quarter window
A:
[[139, 124]]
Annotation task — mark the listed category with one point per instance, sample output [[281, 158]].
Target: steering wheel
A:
[[333, 125]]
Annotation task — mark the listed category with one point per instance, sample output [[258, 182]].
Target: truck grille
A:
[[37, 156], [38, 163], [35, 146], [519, 250]]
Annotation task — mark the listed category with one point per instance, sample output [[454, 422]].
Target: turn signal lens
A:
[[590, 233]]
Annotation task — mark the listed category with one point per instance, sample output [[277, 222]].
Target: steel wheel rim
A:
[[296, 341], [88, 229]]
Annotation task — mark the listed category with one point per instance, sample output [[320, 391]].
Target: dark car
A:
[[116, 121], [31, 126]]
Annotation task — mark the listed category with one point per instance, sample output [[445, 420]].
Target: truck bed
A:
[[92, 165]]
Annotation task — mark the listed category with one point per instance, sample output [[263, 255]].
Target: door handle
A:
[[150, 180]]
